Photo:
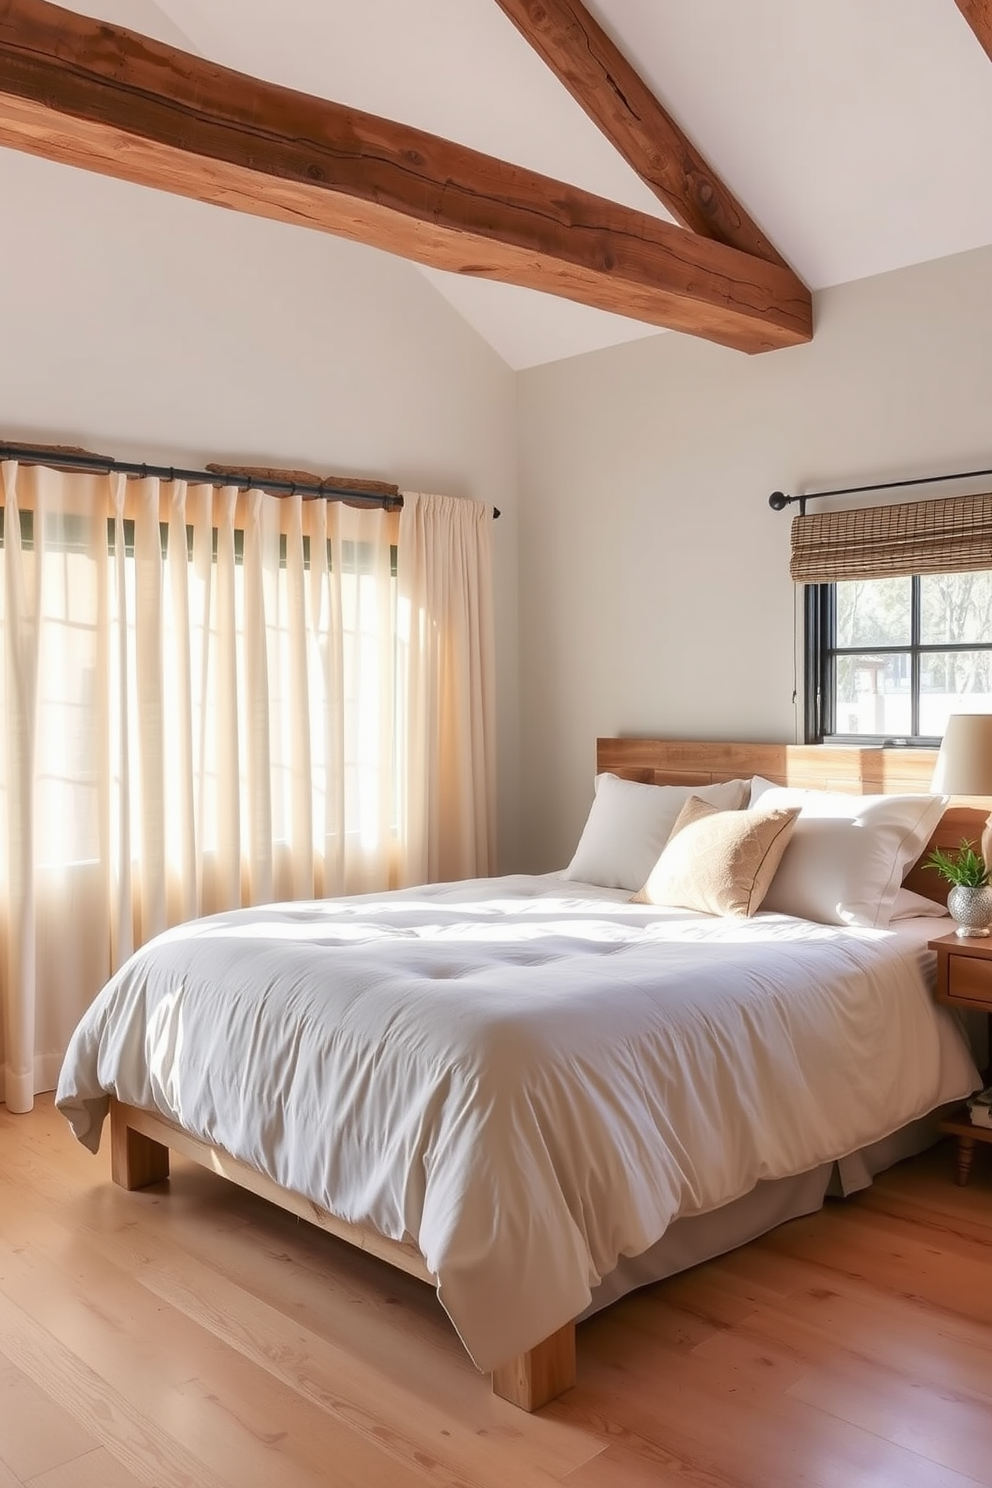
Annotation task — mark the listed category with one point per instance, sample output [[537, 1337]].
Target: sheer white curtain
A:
[[446, 620], [212, 699]]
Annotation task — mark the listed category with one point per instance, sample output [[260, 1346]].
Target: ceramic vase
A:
[[972, 908]]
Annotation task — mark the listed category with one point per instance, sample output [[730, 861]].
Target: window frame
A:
[[820, 653]]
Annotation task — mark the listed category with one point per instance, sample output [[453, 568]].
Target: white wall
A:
[[654, 589], [155, 328]]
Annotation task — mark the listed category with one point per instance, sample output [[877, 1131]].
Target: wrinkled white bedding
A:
[[528, 1077]]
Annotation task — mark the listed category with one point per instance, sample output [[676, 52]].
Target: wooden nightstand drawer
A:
[[964, 971], [969, 981], [964, 979]]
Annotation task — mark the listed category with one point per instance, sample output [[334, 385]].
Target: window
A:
[[890, 658], [215, 699]]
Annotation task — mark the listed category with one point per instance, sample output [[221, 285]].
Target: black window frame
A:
[[820, 669]]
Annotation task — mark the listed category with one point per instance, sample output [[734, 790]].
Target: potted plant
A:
[[970, 898]]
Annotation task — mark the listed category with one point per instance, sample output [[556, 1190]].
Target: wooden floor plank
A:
[[330, 1372], [7, 1478], [623, 1466], [325, 1373], [952, 1431], [96, 1470], [246, 1426], [302, 1307], [36, 1434], [133, 1437], [929, 1349], [753, 1439], [199, 1338]]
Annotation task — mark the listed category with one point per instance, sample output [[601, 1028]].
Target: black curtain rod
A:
[[778, 500], [103, 464]]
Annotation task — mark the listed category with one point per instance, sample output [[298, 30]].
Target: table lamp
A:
[[964, 764]]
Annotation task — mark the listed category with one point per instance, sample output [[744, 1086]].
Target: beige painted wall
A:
[[154, 328], [654, 588]]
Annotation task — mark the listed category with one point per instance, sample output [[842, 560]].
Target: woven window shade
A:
[[880, 542]]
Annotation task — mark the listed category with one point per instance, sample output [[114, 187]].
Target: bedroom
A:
[[611, 469]]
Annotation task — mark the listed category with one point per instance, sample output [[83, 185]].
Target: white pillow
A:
[[912, 906], [629, 824], [848, 855]]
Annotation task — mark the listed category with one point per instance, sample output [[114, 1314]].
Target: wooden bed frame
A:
[[140, 1144], [141, 1141]]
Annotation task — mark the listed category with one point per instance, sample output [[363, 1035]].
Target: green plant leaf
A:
[[965, 867]]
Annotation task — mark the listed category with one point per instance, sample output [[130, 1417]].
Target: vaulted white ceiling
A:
[[857, 133]]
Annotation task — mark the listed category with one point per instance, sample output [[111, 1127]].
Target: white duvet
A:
[[528, 1078]]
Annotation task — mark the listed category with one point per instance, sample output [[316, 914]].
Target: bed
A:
[[533, 1092]]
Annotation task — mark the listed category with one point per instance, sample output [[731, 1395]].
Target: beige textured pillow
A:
[[719, 862]]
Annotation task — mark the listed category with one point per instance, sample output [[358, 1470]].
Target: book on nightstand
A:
[[980, 1108]]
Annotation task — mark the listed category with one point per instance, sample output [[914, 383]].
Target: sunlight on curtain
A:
[[208, 703], [446, 621]]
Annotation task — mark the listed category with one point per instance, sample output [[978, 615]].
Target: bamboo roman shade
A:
[[953, 535]]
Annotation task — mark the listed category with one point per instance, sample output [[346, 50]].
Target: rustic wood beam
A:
[[978, 14], [601, 80], [97, 96]]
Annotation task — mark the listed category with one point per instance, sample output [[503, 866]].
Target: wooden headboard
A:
[[860, 772]]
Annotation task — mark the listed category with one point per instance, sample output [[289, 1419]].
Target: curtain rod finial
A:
[[778, 500]]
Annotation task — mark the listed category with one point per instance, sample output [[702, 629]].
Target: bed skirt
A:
[[701, 1237]]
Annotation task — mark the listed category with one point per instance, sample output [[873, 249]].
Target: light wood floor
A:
[[194, 1336]]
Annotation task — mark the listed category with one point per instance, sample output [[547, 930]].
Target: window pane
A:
[[955, 608], [873, 694], [874, 612], [953, 682]]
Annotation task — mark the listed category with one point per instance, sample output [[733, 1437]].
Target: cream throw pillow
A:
[[719, 862]]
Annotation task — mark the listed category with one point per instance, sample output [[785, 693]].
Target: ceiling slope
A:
[[98, 96], [978, 14], [603, 82]]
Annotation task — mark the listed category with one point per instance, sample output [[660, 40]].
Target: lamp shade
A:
[[964, 764]]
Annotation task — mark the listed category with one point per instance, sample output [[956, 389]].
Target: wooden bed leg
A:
[[135, 1160], [542, 1374], [965, 1154]]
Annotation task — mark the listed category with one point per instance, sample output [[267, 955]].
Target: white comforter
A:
[[529, 1078]]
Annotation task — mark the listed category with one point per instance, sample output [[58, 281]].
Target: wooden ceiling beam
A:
[[601, 80], [97, 96], [978, 14]]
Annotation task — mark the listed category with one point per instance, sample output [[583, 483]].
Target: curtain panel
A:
[[446, 625], [953, 535], [212, 699]]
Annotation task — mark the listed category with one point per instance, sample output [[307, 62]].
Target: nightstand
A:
[[964, 980]]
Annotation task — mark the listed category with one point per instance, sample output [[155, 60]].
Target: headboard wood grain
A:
[[863, 772]]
